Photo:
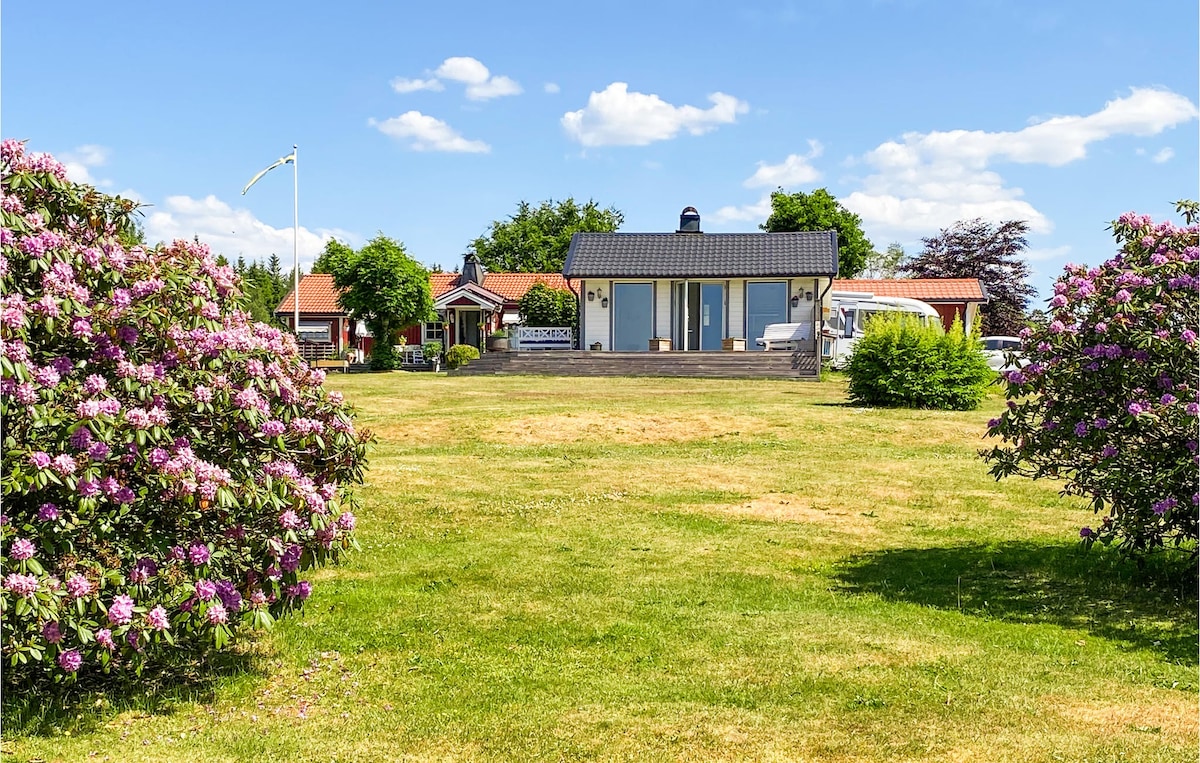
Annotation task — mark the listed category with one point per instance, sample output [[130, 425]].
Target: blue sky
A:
[[427, 121]]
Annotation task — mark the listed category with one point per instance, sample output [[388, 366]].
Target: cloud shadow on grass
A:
[[1152, 608]]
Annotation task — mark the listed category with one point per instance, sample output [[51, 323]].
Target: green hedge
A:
[[460, 355], [903, 363]]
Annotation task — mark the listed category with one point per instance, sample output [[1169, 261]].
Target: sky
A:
[[427, 121]]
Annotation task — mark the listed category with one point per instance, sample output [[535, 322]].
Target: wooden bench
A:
[[332, 363], [785, 335]]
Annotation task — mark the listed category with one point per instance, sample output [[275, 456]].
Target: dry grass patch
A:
[[1168, 714], [618, 428]]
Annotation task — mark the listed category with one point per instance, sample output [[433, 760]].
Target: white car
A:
[[995, 347]]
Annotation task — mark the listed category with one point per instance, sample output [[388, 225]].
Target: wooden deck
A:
[[716, 365]]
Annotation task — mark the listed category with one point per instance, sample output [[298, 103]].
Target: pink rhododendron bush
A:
[[170, 467], [1108, 401]]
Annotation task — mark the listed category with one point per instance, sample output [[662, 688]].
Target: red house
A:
[[470, 305], [949, 296]]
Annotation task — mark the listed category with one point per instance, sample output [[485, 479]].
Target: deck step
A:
[[782, 365]]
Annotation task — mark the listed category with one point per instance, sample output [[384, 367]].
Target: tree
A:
[[536, 239], [334, 255], [170, 469], [885, 264], [819, 210], [388, 290], [544, 306], [1108, 401], [992, 253]]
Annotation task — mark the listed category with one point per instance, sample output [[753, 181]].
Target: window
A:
[[314, 332], [432, 332]]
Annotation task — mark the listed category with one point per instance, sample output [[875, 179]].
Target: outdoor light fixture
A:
[[591, 296], [808, 296], [795, 300], [604, 302]]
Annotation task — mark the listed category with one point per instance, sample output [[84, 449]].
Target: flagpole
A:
[[296, 241]]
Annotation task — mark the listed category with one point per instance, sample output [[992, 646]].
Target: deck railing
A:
[[527, 338]]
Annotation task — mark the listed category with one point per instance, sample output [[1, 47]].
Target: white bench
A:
[[785, 335]]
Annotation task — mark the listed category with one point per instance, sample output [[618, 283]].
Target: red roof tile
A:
[[924, 289], [317, 295]]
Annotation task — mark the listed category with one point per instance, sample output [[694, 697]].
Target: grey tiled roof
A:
[[701, 255]]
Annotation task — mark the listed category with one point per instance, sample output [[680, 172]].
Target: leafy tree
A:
[[544, 306], [885, 264], [992, 253], [536, 239], [819, 210], [386, 289], [170, 467], [334, 254], [1108, 401]]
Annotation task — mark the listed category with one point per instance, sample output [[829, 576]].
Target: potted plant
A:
[[497, 341], [433, 354]]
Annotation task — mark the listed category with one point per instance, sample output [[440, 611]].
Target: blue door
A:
[[632, 316]]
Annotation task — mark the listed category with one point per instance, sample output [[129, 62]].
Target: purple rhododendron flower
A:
[[21, 585], [1108, 451], [47, 512], [22, 549], [120, 612], [1081, 429], [70, 660], [157, 619], [39, 460], [51, 632], [216, 614], [1086, 532], [1188, 336], [1136, 409], [198, 554], [79, 586], [205, 589], [347, 521], [104, 638]]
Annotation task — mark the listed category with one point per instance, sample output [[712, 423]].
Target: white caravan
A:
[[849, 314]]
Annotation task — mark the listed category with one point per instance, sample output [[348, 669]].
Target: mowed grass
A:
[[656, 569]]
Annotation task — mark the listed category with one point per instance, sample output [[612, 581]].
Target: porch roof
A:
[[702, 255], [930, 290], [488, 300]]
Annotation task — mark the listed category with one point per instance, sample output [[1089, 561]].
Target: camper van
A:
[[849, 315]]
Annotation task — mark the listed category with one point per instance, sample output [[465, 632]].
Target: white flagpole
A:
[[296, 241]]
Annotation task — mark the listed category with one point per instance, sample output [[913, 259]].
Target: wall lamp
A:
[[591, 296], [795, 300], [604, 302]]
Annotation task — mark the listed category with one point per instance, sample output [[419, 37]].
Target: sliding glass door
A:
[[632, 316], [766, 303], [701, 312]]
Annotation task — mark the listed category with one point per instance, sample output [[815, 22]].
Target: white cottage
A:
[[697, 289]]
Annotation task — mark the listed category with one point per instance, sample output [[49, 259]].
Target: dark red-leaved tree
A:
[[989, 252]]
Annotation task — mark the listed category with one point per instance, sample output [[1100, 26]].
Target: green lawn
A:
[[653, 569]]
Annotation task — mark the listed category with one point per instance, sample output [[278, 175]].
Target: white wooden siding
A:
[[662, 308], [737, 310], [595, 319]]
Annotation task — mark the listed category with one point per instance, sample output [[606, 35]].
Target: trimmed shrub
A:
[[543, 306], [1110, 399], [460, 355], [170, 467], [431, 350], [902, 362]]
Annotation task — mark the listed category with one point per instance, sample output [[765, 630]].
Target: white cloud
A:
[[1163, 156], [927, 181], [551, 87], [426, 133], [617, 117], [758, 211], [83, 160], [795, 170], [405, 85], [481, 84], [1053, 253], [235, 232]]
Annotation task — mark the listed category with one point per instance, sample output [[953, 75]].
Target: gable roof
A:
[[317, 295], [473, 293], [930, 290], [701, 255]]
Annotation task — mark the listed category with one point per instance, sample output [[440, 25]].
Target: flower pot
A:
[[660, 345], [733, 344], [497, 344], [597, 346]]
